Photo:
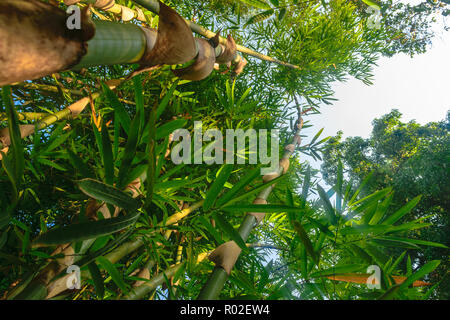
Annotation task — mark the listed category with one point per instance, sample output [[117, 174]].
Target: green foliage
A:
[[106, 183]]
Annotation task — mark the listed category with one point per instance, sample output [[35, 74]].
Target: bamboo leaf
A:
[[408, 266], [97, 279], [16, 148], [217, 186], [36, 290], [226, 227], [396, 263], [390, 293], [361, 186], [306, 183], [338, 270], [424, 270], [370, 3], [381, 209], [210, 229], [430, 291], [281, 14], [364, 229], [260, 17], [260, 4], [79, 164], [118, 107], [165, 101], [151, 146], [114, 273], [255, 190], [417, 241], [107, 156], [303, 262], [331, 213], [139, 99], [394, 243], [367, 201], [169, 128], [339, 186], [316, 136], [129, 152], [269, 208], [51, 164], [85, 230], [402, 211], [243, 182], [109, 194], [304, 238]]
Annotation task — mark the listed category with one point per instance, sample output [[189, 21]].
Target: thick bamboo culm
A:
[[132, 39], [226, 255]]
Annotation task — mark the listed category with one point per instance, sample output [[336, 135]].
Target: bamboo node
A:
[[297, 139], [104, 4], [226, 255], [270, 176], [228, 51], [290, 147]]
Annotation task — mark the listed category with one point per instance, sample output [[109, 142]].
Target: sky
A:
[[418, 87]]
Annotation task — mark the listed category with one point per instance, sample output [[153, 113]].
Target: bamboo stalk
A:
[[153, 6]]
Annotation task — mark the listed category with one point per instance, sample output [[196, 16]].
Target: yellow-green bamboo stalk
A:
[[57, 286], [31, 116], [55, 89], [48, 88]]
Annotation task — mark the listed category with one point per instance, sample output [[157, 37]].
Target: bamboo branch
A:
[[140, 291], [50, 88]]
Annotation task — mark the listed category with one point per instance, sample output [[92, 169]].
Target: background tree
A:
[[409, 157]]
